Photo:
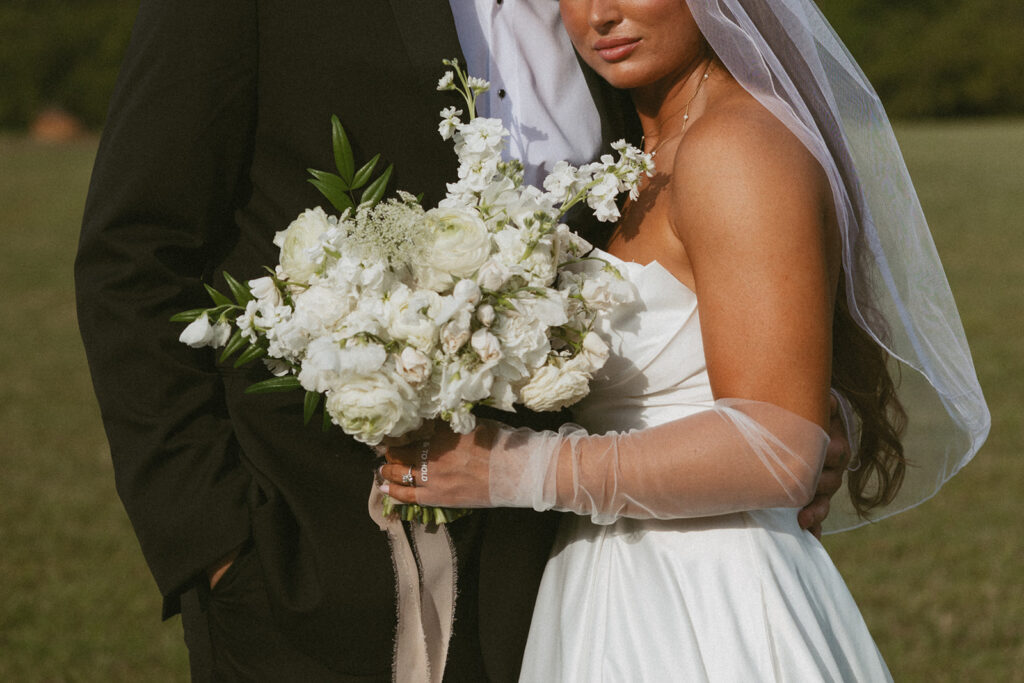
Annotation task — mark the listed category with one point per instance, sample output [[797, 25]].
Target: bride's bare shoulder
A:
[[738, 157]]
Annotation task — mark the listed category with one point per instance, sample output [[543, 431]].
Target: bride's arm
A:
[[754, 231]]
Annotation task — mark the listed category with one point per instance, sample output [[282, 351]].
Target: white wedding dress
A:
[[739, 597]]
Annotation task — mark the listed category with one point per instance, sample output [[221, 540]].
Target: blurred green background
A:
[[942, 586]]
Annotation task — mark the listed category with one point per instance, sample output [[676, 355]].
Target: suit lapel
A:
[[428, 31]]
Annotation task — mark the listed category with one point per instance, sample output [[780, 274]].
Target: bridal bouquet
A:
[[391, 313]]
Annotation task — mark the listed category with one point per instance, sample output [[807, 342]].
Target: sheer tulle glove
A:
[[737, 455]]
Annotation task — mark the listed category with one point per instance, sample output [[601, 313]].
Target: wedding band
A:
[[424, 459], [408, 479]]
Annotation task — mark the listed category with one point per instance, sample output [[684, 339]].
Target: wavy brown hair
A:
[[860, 372]]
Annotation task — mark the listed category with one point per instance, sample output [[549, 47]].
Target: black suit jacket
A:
[[219, 110]]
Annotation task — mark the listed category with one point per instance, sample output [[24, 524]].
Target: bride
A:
[[778, 251]]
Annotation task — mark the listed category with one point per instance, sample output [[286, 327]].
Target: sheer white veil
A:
[[785, 54]]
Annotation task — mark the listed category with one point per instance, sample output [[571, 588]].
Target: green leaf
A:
[[375, 190], [332, 187], [236, 342], [188, 316], [218, 298], [364, 173], [309, 405], [267, 386], [325, 424], [249, 355], [238, 290], [342, 151]]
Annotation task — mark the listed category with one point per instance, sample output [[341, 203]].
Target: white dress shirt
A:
[[537, 87]]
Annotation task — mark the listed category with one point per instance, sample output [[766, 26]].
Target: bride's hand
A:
[[837, 457], [444, 470]]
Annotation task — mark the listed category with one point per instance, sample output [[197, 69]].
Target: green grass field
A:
[[942, 586]]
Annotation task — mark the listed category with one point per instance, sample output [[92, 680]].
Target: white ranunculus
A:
[[299, 240], [461, 245], [370, 407], [200, 333], [413, 365], [553, 388]]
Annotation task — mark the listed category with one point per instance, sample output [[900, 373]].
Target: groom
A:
[[253, 525]]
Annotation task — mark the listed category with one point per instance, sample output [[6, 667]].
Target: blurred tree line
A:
[[925, 57]]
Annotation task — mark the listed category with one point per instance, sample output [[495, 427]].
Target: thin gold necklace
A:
[[686, 109]]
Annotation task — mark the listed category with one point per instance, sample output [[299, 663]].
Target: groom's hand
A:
[[837, 457], [218, 569]]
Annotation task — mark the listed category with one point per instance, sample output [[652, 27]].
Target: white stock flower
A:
[[264, 289], [200, 333], [460, 246], [447, 81], [591, 357], [450, 122], [602, 198], [553, 388], [493, 274], [327, 365], [462, 421], [370, 407], [299, 241], [412, 317]]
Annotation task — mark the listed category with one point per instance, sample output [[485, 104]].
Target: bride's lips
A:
[[615, 49]]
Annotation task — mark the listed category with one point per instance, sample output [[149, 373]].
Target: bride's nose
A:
[[603, 15]]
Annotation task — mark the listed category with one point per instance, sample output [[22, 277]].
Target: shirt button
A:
[[501, 93]]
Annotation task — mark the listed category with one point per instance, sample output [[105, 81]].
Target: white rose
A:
[[370, 407], [461, 245], [413, 365], [486, 345], [485, 314], [524, 341], [455, 332], [553, 388], [298, 240]]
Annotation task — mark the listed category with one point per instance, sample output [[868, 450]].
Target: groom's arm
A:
[[170, 172], [837, 457]]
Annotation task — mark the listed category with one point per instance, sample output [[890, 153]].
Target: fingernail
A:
[[384, 488]]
